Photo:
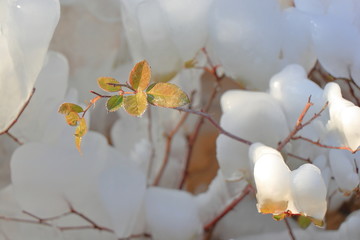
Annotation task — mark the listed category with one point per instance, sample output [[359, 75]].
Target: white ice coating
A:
[[42, 175], [271, 174], [349, 229], [51, 87], [309, 191], [344, 116], [172, 214], [237, 29], [160, 32], [254, 116], [122, 187], [253, 39], [292, 89], [343, 169], [335, 41], [26, 30]]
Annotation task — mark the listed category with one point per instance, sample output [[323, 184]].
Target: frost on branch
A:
[[27, 28]]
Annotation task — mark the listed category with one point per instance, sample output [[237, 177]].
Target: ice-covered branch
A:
[[6, 131]]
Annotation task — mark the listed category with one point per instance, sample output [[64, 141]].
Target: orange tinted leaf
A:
[[78, 143], [66, 108], [72, 118], [140, 75], [166, 95], [109, 84], [135, 104], [114, 103], [81, 129]]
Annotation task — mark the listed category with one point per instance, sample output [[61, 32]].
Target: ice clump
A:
[[122, 189], [172, 214], [51, 86], [335, 35], [26, 30], [344, 170], [280, 190], [49, 178], [254, 116], [272, 179], [159, 32], [253, 40], [350, 228], [344, 117], [309, 191]]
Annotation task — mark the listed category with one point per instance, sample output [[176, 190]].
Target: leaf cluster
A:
[[72, 117], [135, 101]]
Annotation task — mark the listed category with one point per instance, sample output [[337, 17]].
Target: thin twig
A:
[[209, 226], [299, 123], [14, 138], [317, 143], [151, 140], [292, 236], [47, 219], [100, 95], [193, 137], [300, 158], [47, 222], [215, 124], [6, 131], [169, 138]]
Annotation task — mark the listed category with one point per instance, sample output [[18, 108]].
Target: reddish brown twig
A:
[[209, 226], [151, 141], [6, 131], [300, 158], [317, 143], [212, 69], [169, 138], [299, 123], [215, 124], [48, 223], [292, 236]]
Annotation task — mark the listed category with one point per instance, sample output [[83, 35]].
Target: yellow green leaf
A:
[[135, 104], [140, 75], [303, 221], [66, 108], [190, 63], [78, 143], [317, 222], [109, 84], [81, 129], [279, 217], [72, 118], [166, 95], [114, 103]]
